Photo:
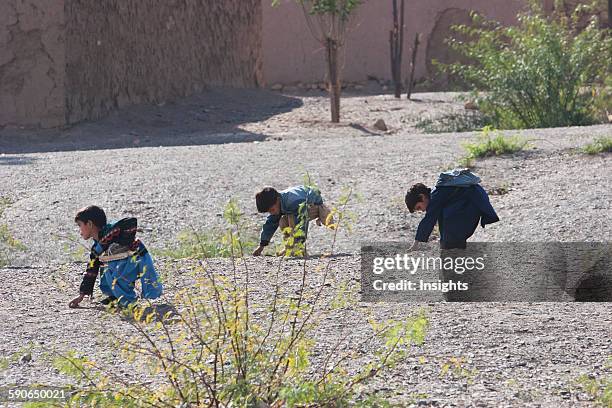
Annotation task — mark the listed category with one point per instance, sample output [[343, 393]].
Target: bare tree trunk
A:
[[610, 14], [396, 44], [334, 87], [415, 47]]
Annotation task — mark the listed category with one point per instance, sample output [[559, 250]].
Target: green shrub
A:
[[494, 146], [603, 101], [544, 72], [220, 348], [600, 145]]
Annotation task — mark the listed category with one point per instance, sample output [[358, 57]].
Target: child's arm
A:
[[433, 212], [88, 282], [267, 231]]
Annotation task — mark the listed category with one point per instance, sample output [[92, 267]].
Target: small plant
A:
[[8, 243], [195, 245], [465, 162], [600, 145], [456, 368], [327, 21], [494, 146], [600, 389], [547, 71]]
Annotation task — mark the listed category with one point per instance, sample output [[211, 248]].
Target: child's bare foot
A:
[[75, 302]]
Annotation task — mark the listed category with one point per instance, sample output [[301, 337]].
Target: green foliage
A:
[[600, 145], [220, 348], [494, 146], [603, 101], [453, 122], [600, 389], [464, 162], [194, 244], [457, 368], [340, 8], [8, 243], [544, 72]]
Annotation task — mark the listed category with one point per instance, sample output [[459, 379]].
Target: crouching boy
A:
[[118, 256], [293, 207], [457, 203]]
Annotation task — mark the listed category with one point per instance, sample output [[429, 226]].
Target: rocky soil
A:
[[175, 172]]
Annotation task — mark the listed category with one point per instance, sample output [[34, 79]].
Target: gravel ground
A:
[[525, 354]]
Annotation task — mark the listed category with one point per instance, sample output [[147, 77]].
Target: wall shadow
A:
[[213, 117], [16, 160]]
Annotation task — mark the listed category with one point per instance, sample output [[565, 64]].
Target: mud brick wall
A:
[[64, 61], [32, 74], [122, 52]]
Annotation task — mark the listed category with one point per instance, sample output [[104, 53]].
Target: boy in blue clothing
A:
[[119, 256], [457, 204], [293, 207]]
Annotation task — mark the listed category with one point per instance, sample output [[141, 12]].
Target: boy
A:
[[295, 206], [457, 204], [122, 257]]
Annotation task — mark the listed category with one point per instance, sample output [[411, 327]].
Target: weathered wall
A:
[[31, 62], [121, 52], [291, 55]]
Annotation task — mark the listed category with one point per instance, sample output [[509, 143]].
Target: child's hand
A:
[[418, 246], [75, 302], [258, 250]]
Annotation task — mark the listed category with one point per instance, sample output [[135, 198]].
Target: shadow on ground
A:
[[213, 117], [15, 160]]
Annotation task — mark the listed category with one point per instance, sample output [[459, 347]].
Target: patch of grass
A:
[[197, 244], [498, 145], [467, 162], [8, 243], [600, 145], [457, 368], [453, 122], [600, 389]]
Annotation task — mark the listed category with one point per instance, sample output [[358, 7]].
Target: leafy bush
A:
[[220, 348], [494, 146], [544, 72], [600, 145]]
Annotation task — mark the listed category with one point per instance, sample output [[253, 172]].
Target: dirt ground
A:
[[175, 166]]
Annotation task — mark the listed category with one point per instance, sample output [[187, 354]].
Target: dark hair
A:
[[265, 199], [92, 213], [413, 196]]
